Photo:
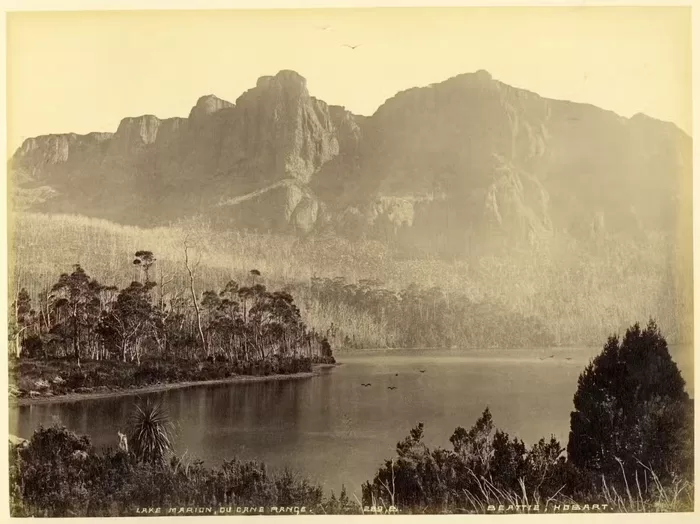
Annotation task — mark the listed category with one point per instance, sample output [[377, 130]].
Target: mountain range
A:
[[462, 165]]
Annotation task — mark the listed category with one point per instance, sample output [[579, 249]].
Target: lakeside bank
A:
[[106, 392]]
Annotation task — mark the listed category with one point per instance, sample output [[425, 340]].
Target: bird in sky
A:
[[353, 47], [396, 375], [391, 387], [365, 385], [568, 358], [421, 370]]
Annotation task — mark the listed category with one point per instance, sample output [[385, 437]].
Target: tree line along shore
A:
[[86, 337]]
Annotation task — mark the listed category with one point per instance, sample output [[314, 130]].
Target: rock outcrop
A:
[[468, 158]]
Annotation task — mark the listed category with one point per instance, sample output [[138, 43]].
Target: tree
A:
[[145, 260], [191, 270], [23, 319], [76, 298], [131, 319], [630, 407]]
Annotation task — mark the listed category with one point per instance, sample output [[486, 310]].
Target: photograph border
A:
[[78, 5]]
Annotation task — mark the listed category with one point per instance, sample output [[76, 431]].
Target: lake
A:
[[336, 431]]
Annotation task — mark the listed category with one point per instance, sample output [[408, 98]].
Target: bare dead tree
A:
[[163, 283], [162, 337], [191, 269]]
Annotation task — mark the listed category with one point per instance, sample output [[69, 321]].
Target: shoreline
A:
[[154, 388]]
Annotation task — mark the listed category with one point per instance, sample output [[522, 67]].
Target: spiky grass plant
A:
[[151, 432]]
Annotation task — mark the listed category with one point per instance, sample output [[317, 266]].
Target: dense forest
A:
[[79, 319], [417, 317]]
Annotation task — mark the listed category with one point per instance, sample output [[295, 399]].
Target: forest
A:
[[416, 317], [72, 338], [364, 294]]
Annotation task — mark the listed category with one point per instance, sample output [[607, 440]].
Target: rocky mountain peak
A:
[[285, 80], [138, 130], [467, 154], [207, 105]]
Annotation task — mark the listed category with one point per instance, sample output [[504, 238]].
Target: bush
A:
[[51, 472], [59, 474], [32, 347], [631, 432], [483, 465]]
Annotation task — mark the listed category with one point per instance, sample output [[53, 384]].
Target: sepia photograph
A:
[[349, 261]]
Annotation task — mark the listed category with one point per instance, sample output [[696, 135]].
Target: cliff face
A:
[[463, 163], [279, 130]]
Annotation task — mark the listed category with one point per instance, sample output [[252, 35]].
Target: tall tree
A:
[[76, 296], [144, 259], [23, 319], [191, 270], [630, 406], [129, 321]]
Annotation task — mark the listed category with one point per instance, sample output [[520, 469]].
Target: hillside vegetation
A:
[[568, 292]]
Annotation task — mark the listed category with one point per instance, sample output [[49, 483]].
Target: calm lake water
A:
[[336, 431]]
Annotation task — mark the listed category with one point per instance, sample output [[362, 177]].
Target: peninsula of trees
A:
[[84, 335]]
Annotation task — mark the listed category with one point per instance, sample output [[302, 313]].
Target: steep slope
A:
[[154, 171]]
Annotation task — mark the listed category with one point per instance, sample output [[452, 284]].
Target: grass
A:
[[487, 498], [676, 497]]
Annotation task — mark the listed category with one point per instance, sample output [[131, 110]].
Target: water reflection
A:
[[335, 430]]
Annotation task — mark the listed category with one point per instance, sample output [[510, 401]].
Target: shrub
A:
[[59, 474]]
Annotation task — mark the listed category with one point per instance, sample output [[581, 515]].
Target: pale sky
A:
[[85, 71]]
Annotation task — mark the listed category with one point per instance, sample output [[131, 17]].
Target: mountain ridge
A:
[[637, 115], [466, 162]]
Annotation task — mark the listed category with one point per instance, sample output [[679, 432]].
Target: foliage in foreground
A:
[[486, 467], [640, 461], [631, 409], [59, 474], [630, 446]]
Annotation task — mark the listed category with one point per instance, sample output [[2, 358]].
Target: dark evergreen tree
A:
[[630, 407]]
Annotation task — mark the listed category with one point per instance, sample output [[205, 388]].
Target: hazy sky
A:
[[85, 71]]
